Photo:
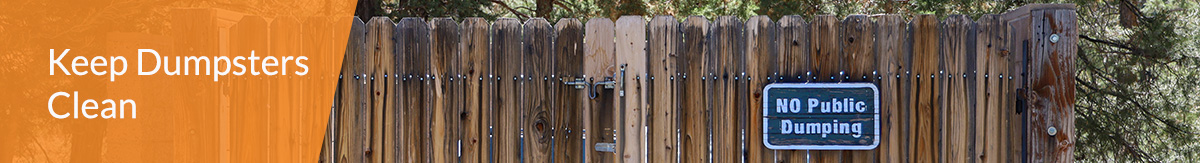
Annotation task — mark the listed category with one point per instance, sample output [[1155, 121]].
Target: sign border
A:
[[766, 93]]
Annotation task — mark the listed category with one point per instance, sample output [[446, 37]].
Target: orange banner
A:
[[168, 81]]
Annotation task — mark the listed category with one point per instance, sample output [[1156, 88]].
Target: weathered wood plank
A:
[[793, 64], [1050, 96], [476, 65], [631, 57], [445, 39], [413, 41], [599, 65], [925, 91], [761, 55], [379, 42], [728, 57], [536, 116], [826, 61], [859, 61], [507, 56], [890, 38], [663, 45], [694, 109], [349, 148], [956, 33], [991, 44], [568, 106]]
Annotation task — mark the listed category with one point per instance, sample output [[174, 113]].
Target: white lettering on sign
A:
[[801, 128], [834, 105]]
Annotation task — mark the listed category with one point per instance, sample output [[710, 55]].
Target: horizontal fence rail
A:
[[690, 90]]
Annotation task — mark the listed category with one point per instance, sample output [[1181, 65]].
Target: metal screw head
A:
[[1053, 38], [1052, 131]]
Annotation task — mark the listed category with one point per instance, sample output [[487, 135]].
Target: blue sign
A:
[[821, 116]]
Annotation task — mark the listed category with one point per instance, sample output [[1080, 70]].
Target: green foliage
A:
[[1136, 94], [457, 9]]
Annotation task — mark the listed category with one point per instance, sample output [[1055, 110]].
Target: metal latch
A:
[[579, 83], [606, 147]]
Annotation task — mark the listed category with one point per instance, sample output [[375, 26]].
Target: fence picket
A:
[[663, 44], [508, 60], [568, 106], [599, 66], [694, 109], [761, 54], [477, 114], [536, 119]]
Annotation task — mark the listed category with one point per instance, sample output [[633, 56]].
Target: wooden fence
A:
[[996, 89]]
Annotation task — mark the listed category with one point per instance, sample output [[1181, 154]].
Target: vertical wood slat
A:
[[956, 35], [826, 61], [725, 52], [379, 42], [347, 146], [536, 117], [694, 109], [924, 94], [859, 62], [476, 65], [447, 90], [568, 107], [793, 64], [599, 65], [761, 54], [890, 38], [413, 40], [663, 45], [1050, 94], [631, 58], [991, 119], [508, 60]]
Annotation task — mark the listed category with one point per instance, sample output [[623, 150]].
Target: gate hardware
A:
[[606, 147], [579, 83]]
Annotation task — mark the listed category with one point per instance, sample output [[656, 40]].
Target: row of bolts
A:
[[684, 75]]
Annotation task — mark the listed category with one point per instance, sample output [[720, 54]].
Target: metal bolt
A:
[[1053, 38], [1052, 131]]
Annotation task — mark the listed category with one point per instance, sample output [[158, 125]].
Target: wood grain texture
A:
[[348, 142], [728, 60], [536, 118], [379, 40], [991, 119], [793, 65], [507, 58], [1050, 97], [761, 55], [859, 62], [631, 58], [446, 90], [956, 37], [827, 62], [599, 65], [926, 101], [694, 108], [476, 114], [568, 101], [414, 43], [890, 38], [663, 46]]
